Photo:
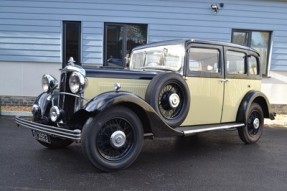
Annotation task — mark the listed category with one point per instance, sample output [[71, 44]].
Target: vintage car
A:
[[171, 88]]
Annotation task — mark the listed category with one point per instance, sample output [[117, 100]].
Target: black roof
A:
[[186, 42]]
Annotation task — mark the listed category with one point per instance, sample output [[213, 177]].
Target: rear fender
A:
[[151, 121], [254, 97]]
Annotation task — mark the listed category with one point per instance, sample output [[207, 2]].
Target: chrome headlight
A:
[[49, 83], [76, 82]]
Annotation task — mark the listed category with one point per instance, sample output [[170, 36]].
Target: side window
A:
[[253, 66], [235, 62], [203, 60]]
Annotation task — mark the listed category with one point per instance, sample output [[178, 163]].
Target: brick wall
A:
[[16, 100], [279, 109]]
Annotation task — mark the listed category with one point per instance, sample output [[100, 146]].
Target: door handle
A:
[[224, 80]]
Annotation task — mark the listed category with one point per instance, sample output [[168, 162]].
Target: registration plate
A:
[[41, 136]]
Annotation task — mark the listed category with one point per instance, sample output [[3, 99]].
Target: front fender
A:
[[45, 101], [249, 98], [145, 112]]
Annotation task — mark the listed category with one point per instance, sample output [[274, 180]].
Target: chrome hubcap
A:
[[256, 123], [118, 139], [174, 100]]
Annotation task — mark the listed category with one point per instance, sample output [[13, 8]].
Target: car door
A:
[[238, 81], [204, 77]]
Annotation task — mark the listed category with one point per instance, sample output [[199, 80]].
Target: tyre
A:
[[113, 139], [168, 94], [253, 129]]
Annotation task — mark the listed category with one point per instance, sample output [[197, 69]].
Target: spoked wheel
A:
[[169, 100], [113, 139], [252, 132], [168, 94]]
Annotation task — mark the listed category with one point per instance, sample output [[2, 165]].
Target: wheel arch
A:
[[152, 123], [253, 97]]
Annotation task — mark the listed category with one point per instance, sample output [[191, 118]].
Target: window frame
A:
[[124, 45], [64, 42], [203, 74], [250, 31], [247, 75]]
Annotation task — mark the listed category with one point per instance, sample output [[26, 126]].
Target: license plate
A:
[[41, 137]]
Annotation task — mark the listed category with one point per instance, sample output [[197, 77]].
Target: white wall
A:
[[24, 79]]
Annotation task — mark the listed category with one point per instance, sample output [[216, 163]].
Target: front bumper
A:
[[74, 135]]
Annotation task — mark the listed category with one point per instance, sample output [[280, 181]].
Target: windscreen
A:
[[169, 57]]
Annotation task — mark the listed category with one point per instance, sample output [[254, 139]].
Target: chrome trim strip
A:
[[194, 131], [74, 135], [65, 93]]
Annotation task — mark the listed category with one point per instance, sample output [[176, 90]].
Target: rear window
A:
[[235, 62], [253, 65]]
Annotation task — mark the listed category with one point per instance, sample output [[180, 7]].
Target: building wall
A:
[[31, 30]]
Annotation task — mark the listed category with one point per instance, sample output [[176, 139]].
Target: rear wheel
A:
[[113, 139], [253, 129]]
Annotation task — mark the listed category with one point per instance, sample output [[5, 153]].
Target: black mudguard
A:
[[249, 98], [45, 102], [146, 113]]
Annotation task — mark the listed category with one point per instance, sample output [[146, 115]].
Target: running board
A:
[[204, 128]]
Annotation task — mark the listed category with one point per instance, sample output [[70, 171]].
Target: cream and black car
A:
[[171, 88]]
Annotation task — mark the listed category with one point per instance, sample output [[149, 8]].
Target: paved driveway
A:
[[209, 161]]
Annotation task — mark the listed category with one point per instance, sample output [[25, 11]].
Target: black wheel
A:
[[113, 139], [168, 94], [56, 143], [253, 129]]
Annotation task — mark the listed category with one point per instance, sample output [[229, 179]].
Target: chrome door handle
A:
[[224, 80]]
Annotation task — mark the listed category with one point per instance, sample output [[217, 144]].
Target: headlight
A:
[[76, 82], [49, 83]]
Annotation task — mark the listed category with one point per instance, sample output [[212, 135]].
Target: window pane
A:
[[235, 62], [204, 60], [240, 38], [114, 45], [120, 39], [169, 57], [72, 41], [260, 42], [253, 66], [136, 35]]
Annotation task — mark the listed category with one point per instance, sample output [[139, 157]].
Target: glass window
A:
[[71, 41], [235, 62], [259, 40], [204, 60], [240, 38], [169, 57], [120, 39], [253, 65]]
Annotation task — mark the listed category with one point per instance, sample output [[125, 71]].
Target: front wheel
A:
[[113, 139], [253, 129]]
